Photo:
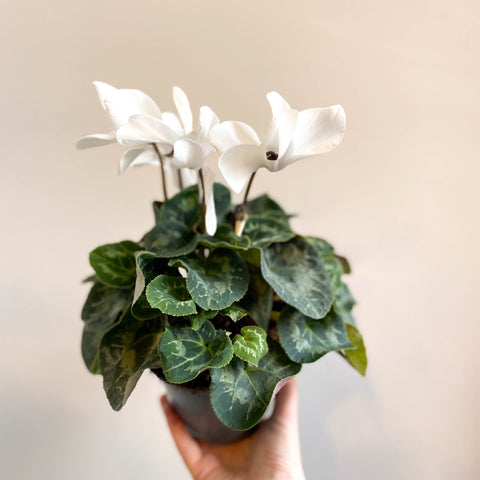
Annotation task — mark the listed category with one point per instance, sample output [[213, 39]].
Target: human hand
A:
[[272, 452]]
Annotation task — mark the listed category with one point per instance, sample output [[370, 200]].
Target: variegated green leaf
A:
[[171, 238], [184, 207], [234, 312], [258, 299], [186, 352], [217, 281], [240, 393], [356, 356], [295, 271], [331, 262], [149, 266], [306, 339], [101, 312], [126, 351], [251, 345], [344, 302], [198, 319], [266, 207], [114, 263], [170, 295], [264, 231], [225, 238]]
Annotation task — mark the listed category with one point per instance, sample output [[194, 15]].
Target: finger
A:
[[286, 406], [188, 447]]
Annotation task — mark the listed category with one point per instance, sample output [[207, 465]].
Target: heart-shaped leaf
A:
[[251, 345], [114, 263], [198, 319], [149, 266], [217, 281], [306, 339], [225, 238], [264, 231], [171, 238], [186, 352], [240, 393], [101, 312], [126, 351], [266, 207], [170, 295], [295, 271], [258, 299], [235, 312]]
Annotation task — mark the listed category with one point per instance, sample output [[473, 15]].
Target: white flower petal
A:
[[95, 140], [138, 156], [229, 134], [183, 108], [188, 153], [210, 214], [208, 119], [103, 91], [318, 130], [145, 129], [171, 120], [122, 104], [286, 128], [238, 163], [277, 103]]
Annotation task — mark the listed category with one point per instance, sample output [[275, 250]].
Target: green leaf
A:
[[344, 303], [101, 312], [126, 351], [320, 245], [264, 231], [170, 295], [251, 345], [225, 238], [252, 256], [171, 238], [149, 266], [306, 339], [184, 208], [157, 206], [259, 299], [186, 352], [223, 202], [266, 207], [357, 356], [295, 271], [114, 263], [240, 393], [201, 317], [234, 312], [217, 281]]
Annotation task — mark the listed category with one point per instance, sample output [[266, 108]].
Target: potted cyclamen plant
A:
[[223, 302]]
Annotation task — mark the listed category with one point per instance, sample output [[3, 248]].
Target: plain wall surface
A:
[[399, 198]]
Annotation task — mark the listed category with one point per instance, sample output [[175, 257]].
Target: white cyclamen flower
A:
[[120, 104], [292, 136], [183, 146]]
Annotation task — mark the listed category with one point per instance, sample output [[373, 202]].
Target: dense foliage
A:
[[248, 310]]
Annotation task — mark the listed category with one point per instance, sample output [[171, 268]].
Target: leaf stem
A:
[[204, 202], [162, 170], [247, 191], [241, 210], [180, 179]]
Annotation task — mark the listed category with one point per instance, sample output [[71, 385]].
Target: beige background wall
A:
[[399, 198]]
